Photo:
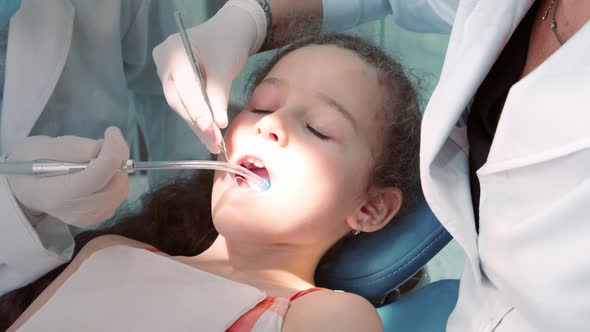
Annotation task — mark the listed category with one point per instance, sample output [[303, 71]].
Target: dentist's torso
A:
[[526, 270], [71, 66]]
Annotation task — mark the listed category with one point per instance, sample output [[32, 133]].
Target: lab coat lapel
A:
[[38, 45], [478, 37], [550, 131]]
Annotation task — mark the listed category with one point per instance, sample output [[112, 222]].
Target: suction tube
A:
[[44, 167]]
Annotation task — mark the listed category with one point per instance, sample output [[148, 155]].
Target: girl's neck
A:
[[276, 269]]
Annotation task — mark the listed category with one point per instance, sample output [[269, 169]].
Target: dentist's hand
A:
[[223, 45], [81, 199]]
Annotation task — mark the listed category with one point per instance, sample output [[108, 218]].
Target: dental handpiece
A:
[[46, 167]]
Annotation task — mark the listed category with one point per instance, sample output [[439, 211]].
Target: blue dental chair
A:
[[375, 265]]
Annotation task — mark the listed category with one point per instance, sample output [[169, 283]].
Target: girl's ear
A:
[[380, 206]]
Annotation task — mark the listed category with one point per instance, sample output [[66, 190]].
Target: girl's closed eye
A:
[[316, 132], [309, 127], [260, 111]]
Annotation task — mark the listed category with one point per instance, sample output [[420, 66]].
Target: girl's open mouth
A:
[[256, 166]]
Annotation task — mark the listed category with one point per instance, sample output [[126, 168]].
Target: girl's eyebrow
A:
[[326, 99], [340, 109]]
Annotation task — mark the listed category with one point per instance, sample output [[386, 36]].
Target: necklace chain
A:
[[553, 26]]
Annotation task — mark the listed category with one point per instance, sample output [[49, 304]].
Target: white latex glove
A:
[[81, 199], [222, 45]]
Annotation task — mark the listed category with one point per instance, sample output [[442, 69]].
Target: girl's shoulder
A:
[[331, 310]]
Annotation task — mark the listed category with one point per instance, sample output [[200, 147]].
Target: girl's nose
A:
[[271, 128]]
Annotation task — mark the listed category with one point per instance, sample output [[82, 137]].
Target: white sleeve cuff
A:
[[27, 253], [340, 15], [428, 16]]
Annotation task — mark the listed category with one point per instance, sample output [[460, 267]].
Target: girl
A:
[[333, 124]]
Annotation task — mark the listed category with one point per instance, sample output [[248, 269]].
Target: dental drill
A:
[[46, 167]]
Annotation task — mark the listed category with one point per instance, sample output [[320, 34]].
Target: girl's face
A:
[[312, 125]]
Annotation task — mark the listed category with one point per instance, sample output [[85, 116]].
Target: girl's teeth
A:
[[250, 160], [258, 164]]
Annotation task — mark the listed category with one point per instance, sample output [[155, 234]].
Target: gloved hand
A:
[[222, 45], [81, 199]]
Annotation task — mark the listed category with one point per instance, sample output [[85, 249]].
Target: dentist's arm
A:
[[429, 16], [34, 236], [294, 19]]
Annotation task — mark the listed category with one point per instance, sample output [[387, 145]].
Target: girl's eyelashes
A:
[[259, 111], [316, 133]]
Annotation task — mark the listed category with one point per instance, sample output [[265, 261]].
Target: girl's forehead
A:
[[339, 74], [333, 71]]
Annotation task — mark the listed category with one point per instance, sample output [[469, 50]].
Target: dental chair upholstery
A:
[[375, 265]]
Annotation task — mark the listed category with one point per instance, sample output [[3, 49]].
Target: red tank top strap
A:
[[305, 291]]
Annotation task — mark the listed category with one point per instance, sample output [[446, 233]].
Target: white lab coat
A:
[[528, 270], [75, 67]]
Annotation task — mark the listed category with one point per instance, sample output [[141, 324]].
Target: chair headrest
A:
[[372, 264]]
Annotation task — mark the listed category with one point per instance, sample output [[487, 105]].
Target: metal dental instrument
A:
[[45, 167], [195, 64]]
